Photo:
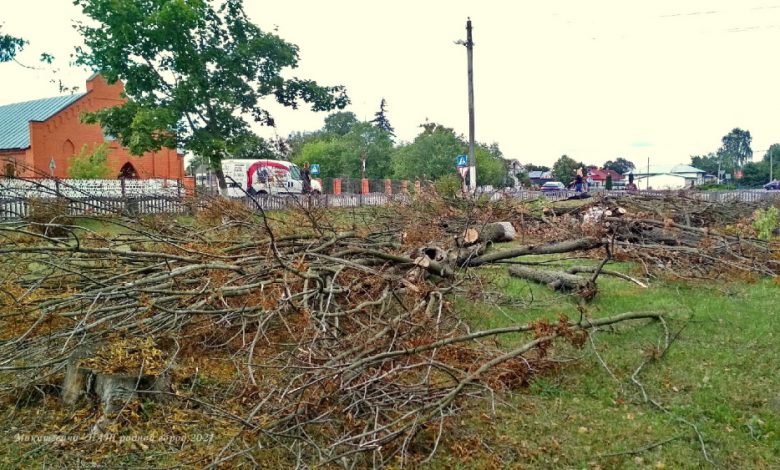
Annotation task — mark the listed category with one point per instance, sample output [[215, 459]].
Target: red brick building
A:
[[35, 133], [599, 177]]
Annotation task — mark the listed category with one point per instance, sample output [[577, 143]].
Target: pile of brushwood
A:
[[336, 332]]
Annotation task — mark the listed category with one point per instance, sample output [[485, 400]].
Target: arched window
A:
[[68, 149], [128, 172], [10, 168]]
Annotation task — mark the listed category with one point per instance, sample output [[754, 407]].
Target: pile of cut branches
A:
[[338, 326]]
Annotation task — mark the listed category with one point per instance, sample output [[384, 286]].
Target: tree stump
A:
[[112, 389]]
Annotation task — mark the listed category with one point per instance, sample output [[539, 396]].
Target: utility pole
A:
[[470, 56], [647, 181]]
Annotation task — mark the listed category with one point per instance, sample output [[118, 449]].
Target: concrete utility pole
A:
[[647, 182], [472, 158]]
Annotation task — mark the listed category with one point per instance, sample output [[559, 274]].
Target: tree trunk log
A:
[[581, 244], [556, 280]]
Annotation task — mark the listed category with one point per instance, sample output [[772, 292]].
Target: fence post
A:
[[336, 186], [122, 184], [364, 186], [404, 186], [389, 187], [417, 186]]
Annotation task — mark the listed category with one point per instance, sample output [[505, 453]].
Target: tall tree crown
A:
[[195, 73]]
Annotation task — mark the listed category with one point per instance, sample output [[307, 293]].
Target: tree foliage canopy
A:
[[340, 123], [10, 46], [736, 147], [431, 155], [193, 72], [619, 165], [565, 169], [709, 163], [380, 119]]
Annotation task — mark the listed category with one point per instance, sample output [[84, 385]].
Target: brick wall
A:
[[63, 135]]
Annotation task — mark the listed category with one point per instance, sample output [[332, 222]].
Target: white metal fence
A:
[[112, 197]]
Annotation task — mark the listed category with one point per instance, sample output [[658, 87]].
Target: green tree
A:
[[430, 156], [736, 147], [330, 155], [756, 174], [194, 72], [619, 165], [772, 156], [492, 168], [342, 155], [708, 163], [377, 147], [340, 123], [565, 169], [10, 46], [380, 119], [88, 165]]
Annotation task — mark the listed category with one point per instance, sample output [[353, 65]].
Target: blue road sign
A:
[[462, 160], [315, 169]]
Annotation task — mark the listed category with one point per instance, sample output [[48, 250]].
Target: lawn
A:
[[716, 390]]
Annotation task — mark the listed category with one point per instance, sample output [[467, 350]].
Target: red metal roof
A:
[[601, 175]]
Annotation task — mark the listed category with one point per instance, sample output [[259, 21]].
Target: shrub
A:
[[765, 222], [448, 185], [90, 165]]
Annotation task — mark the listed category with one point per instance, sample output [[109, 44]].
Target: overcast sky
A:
[[596, 80]]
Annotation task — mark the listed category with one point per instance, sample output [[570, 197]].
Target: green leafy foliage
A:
[[342, 155], [709, 163], [736, 147], [340, 123], [619, 165], [380, 119], [449, 185], [430, 156], [765, 222], [10, 46], [90, 164], [565, 169], [194, 73]]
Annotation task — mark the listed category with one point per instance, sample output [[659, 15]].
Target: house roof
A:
[[666, 170], [600, 174], [539, 174], [15, 118]]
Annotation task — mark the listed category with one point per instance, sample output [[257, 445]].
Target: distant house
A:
[[599, 177], [668, 177], [540, 177], [40, 137]]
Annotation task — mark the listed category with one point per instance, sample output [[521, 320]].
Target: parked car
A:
[[773, 185], [553, 186]]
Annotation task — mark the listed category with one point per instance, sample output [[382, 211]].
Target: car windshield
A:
[[295, 173]]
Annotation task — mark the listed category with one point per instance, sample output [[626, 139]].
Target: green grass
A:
[[720, 375]]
